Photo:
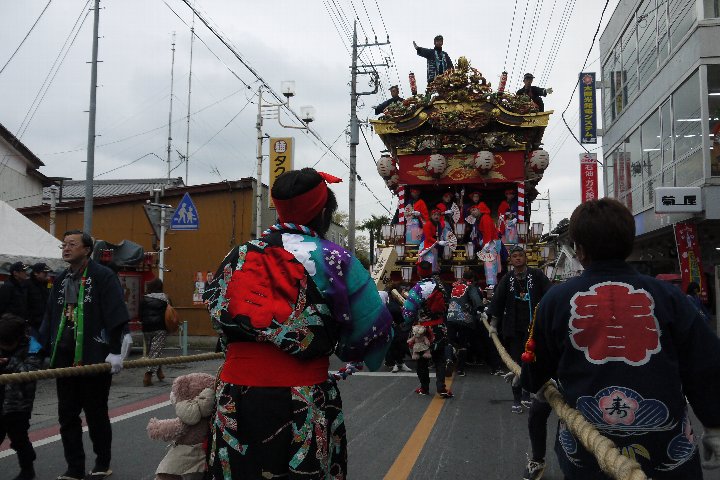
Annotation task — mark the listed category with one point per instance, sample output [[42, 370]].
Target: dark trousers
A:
[[15, 426], [89, 394], [398, 347], [537, 428], [485, 348], [423, 367], [515, 347], [460, 338]]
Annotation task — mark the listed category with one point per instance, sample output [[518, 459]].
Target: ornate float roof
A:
[[460, 113]]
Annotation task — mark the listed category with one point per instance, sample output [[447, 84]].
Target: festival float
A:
[[473, 153]]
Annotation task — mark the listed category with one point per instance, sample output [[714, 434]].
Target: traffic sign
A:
[[185, 216], [152, 210]]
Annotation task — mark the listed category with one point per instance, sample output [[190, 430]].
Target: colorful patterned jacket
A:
[[312, 298]]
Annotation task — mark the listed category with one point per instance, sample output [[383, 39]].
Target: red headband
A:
[[304, 207]]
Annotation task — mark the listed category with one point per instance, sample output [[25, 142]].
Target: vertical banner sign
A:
[[521, 201], [588, 177], [588, 108], [281, 160], [688, 249]]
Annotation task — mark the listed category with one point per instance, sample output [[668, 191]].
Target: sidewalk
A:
[[127, 389]]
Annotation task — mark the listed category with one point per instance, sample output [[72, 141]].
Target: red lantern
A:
[[530, 345], [527, 357]]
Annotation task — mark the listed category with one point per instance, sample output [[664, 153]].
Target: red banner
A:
[[688, 249], [507, 167], [588, 177]]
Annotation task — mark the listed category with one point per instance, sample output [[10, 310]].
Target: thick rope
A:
[[611, 461], [51, 373]]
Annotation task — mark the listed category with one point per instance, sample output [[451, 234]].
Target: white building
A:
[[21, 183], [661, 121]]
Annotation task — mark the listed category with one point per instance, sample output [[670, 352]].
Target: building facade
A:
[[661, 122], [21, 183], [226, 212]]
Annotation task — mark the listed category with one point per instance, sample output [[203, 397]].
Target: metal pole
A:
[[354, 140], [53, 207], [90, 166], [161, 255], [549, 213], [187, 134], [258, 186], [172, 84]]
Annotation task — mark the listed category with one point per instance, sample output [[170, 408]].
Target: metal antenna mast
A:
[[172, 84], [187, 134], [90, 167]]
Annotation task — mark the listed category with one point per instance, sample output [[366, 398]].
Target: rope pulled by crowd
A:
[[609, 458], [96, 368]]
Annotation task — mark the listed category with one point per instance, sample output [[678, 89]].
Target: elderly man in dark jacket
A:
[[535, 93], [394, 97]]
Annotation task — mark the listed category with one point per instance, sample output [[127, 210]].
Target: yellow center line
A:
[[405, 461]]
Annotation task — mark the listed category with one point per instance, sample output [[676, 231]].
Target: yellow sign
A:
[[281, 159]]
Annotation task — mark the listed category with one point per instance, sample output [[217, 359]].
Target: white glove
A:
[[126, 345], [540, 395], [115, 361], [512, 379], [711, 448], [447, 212], [442, 243], [416, 213], [549, 90]]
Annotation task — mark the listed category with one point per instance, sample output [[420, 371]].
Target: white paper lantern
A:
[[484, 161], [539, 161], [436, 165], [386, 166]]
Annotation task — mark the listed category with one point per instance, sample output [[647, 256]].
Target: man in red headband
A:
[[432, 241], [282, 304]]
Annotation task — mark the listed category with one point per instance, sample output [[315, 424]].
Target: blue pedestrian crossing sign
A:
[[185, 216]]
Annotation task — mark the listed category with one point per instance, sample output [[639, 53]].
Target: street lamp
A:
[[287, 88], [400, 250], [400, 232], [522, 230], [537, 229], [459, 271], [406, 272], [386, 231]]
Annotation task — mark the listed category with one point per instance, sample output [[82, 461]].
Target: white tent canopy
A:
[[22, 240]]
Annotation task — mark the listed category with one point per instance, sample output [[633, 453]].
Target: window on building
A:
[[630, 63], [713, 76], [712, 8], [608, 93], [609, 174], [662, 25], [633, 154], [647, 41], [652, 156], [682, 15], [613, 84], [687, 132], [668, 168]]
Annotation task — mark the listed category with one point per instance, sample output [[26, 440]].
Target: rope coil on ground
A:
[[610, 460], [51, 373]]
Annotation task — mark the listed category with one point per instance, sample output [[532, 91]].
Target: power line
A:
[[223, 128], [26, 36], [512, 24], [344, 130], [129, 163], [368, 145], [547, 27]]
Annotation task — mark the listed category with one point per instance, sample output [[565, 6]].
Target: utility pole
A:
[[549, 212], [53, 208], [172, 84], [258, 180], [90, 167], [187, 134], [355, 125]]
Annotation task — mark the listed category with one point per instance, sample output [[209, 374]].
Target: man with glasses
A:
[[83, 325]]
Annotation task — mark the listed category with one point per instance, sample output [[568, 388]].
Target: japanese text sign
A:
[[588, 108], [281, 159], [678, 200], [688, 249], [588, 177]]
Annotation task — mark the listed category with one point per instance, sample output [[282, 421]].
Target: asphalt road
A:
[[474, 436]]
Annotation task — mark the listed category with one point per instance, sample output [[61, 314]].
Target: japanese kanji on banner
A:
[[588, 177], [588, 108], [688, 249], [281, 160]]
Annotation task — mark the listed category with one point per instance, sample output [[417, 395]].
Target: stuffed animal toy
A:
[[419, 342], [194, 400]]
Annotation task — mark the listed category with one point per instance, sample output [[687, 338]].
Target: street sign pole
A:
[[161, 260]]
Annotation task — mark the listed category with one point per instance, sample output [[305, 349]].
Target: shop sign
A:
[[688, 249], [588, 108], [678, 200], [588, 177]]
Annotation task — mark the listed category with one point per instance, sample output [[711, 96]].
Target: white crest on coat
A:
[[294, 244]]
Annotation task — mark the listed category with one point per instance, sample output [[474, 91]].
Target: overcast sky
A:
[[44, 90]]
